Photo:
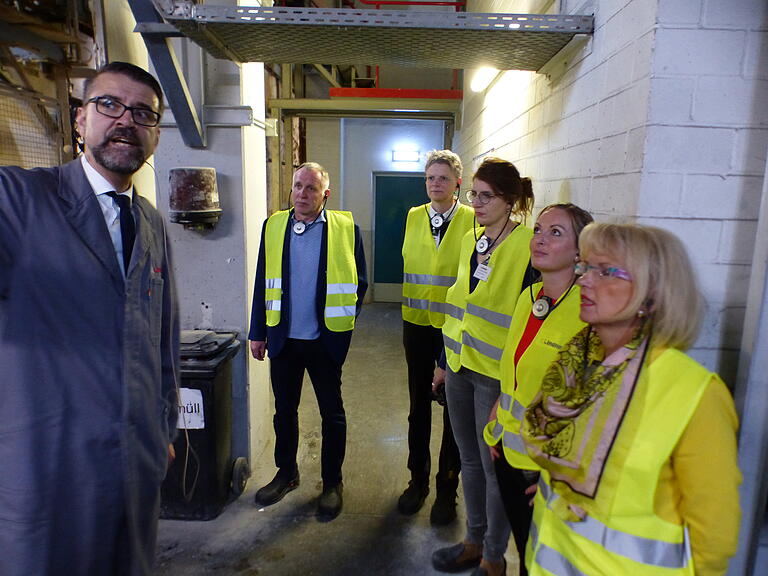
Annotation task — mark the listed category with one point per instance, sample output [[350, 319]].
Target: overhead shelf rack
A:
[[395, 37]]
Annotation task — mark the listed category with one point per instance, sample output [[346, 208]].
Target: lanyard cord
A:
[[556, 304], [305, 226]]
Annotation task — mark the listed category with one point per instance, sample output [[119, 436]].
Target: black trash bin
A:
[[204, 477]]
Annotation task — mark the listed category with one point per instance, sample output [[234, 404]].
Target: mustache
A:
[[124, 133]]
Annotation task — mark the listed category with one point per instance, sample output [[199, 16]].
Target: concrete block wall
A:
[[707, 135], [578, 128], [658, 117]]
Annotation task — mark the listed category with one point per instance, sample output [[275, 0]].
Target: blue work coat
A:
[[88, 369]]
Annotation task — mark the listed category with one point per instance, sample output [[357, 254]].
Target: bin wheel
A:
[[240, 474]]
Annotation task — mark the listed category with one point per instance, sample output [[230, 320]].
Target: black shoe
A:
[[412, 499], [330, 502], [457, 558], [273, 492], [443, 510], [488, 569]]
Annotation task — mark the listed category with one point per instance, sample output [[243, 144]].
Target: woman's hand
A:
[[531, 491], [492, 415], [438, 379]]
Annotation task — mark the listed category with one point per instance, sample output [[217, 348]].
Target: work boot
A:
[[458, 557], [412, 499], [330, 501], [280, 485], [491, 568], [443, 510]]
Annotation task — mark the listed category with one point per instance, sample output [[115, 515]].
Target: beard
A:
[[120, 161]]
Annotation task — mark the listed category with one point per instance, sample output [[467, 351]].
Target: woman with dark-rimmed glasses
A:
[[492, 272]]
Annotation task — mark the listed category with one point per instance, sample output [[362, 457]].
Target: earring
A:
[[641, 313]]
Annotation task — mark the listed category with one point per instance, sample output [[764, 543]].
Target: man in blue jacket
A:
[[310, 284], [88, 346]]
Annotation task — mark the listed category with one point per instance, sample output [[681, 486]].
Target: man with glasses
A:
[[88, 346]]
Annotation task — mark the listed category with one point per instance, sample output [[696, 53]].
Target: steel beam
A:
[[169, 74]]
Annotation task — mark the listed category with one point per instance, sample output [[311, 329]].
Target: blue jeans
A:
[[470, 398]]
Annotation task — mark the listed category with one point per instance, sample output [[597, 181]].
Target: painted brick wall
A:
[[661, 117], [705, 152]]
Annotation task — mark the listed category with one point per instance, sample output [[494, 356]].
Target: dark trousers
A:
[[512, 485], [287, 371], [423, 345]]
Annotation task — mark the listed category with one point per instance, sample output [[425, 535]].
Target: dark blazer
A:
[[337, 343], [88, 368]]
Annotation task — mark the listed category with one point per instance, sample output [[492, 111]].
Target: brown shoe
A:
[[458, 557]]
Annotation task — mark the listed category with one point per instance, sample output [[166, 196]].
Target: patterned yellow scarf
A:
[[571, 425]]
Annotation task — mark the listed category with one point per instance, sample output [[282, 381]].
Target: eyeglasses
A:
[[581, 269], [108, 106], [481, 198]]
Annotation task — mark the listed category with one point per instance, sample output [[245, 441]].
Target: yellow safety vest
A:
[[632, 539], [476, 324], [556, 331], [341, 288], [429, 270]]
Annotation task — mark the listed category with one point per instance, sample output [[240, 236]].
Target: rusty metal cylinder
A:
[[194, 197]]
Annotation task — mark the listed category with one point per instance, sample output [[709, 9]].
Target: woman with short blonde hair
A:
[[636, 440]]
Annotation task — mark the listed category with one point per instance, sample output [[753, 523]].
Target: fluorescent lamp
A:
[[405, 155]]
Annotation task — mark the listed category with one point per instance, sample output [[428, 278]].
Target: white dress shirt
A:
[[109, 206]]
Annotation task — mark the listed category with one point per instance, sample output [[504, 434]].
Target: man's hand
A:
[[258, 349], [171, 454]]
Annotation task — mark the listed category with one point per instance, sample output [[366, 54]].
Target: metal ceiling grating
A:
[[396, 37]]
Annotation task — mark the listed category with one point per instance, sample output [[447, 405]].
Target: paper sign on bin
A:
[[191, 414]]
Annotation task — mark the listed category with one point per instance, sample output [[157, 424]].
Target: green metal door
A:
[[394, 194]]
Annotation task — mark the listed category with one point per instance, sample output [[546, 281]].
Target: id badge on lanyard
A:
[[483, 272]]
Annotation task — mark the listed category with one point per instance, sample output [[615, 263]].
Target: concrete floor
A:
[[369, 537]]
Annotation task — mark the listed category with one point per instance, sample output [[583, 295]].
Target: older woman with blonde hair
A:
[[636, 440]]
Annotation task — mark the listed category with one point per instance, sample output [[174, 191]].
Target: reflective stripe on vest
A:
[[483, 347], [414, 303], [429, 279], [633, 539], [429, 270], [497, 318], [556, 563], [480, 320], [637, 548], [521, 380]]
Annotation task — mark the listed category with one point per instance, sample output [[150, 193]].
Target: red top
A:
[[531, 330]]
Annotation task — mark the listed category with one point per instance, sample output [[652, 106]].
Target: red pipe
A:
[[378, 3]]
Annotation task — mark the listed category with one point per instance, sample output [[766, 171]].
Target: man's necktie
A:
[[127, 226]]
